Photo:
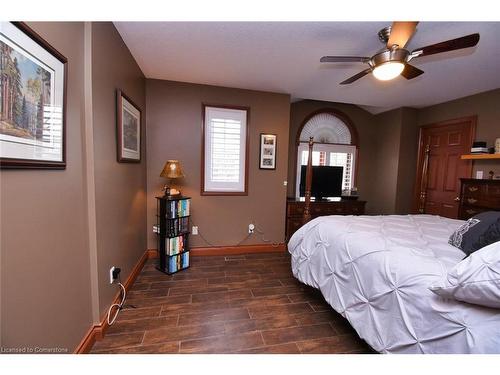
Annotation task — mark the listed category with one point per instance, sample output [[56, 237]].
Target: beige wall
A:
[[44, 258], [174, 132], [365, 126], [120, 188], [485, 105], [47, 272]]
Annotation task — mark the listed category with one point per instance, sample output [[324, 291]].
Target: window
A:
[[225, 151], [331, 155], [333, 146]]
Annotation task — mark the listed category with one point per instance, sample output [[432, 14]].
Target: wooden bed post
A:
[[307, 194], [423, 181]]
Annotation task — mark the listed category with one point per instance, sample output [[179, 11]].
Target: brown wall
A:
[[408, 150], [174, 132], [47, 271], [487, 108], [387, 153], [120, 188], [389, 145], [397, 145], [44, 258], [386, 161], [365, 126], [394, 161], [44, 246]]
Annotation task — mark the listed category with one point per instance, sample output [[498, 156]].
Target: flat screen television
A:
[[326, 181]]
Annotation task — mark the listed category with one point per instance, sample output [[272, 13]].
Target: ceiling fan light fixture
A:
[[388, 70]]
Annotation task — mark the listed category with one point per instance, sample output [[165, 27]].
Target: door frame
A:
[[421, 150]]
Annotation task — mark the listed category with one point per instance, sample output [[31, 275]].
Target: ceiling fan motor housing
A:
[[384, 34], [390, 55]]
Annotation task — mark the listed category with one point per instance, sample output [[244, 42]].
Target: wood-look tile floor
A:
[[228, 304]]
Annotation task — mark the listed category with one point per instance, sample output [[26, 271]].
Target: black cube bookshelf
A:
[[172, 230]]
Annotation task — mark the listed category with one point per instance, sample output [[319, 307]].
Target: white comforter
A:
[[376, 270]]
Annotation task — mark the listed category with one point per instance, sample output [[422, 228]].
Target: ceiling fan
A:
[[394, 60]]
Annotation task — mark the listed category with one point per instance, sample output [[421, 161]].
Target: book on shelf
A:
[[479, 150], [175, 245], [177, 227], [178, 208], [178, 262]]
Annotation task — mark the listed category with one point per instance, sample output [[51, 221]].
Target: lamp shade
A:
[[172, 169], [388, 70]]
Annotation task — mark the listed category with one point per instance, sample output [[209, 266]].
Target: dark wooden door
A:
[[440, 168]]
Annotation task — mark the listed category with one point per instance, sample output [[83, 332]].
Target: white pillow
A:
[[476, 279]]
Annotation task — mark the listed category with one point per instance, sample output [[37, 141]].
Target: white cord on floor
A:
[[257, 229], [117, 305]]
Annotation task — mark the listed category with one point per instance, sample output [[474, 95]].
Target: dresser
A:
[[295, 211], [478, 196]]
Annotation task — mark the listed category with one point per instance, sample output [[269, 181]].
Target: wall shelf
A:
[[480, 156]]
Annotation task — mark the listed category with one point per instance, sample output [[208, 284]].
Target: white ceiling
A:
[[284, 57]]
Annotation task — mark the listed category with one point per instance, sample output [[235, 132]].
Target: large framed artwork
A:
[[128, 129], [267, 151], [32, 100]]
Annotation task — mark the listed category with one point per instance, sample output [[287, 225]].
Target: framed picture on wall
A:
[[267, 151], [32, 100], [128, 129]]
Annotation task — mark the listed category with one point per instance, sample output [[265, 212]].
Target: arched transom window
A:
[[334, 145], [326, 128]]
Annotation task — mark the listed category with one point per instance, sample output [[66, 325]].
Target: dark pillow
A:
[[477, 232]]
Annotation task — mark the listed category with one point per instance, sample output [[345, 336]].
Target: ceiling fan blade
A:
[[356, 77], [344, 59], [410, 72], [401, 32], [449, 45]]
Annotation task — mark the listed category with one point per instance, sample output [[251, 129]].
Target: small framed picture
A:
[[128, 129], [267, 151], [32, 100]]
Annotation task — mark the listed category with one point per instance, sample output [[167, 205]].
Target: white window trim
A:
[[211, 187], [304, 146]]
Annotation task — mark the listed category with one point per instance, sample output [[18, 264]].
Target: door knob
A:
[[457, 199]]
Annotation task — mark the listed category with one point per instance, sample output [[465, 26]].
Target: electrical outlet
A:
[[111, 276], [194, 230], [285, 183], [114, 272], [251, 228]]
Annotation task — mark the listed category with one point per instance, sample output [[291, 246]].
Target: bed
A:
[[376, 272]]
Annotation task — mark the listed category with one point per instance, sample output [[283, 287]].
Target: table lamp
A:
[[172, 170]]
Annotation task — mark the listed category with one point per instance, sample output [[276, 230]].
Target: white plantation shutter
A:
[[225, 149], [344, 158], [225, 143]]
